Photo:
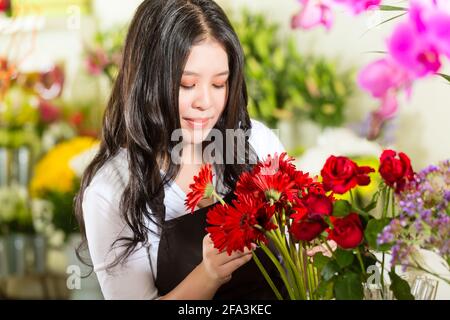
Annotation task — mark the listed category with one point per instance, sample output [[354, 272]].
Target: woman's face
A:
[[204, 89]]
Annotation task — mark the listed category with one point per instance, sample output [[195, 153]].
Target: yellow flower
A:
[[53, 173]]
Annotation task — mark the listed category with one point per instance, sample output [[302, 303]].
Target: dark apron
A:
[[180, 251]]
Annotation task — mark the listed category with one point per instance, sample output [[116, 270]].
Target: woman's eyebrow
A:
[[191, 73]]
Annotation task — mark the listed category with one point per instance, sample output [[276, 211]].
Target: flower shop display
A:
[[56, 180], [282, 83], [5, 7], [303, 217], [104, 55], [417, 47]]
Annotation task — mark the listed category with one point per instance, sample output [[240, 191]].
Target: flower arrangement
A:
[[424, 219], [301, 216], [15, 213], [32, 111], [283, 83], [56, 179], [104, 56]]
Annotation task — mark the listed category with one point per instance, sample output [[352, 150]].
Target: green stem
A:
[[352, 199], [286, 256], [280, 270], [299, 263], [219, 198], [310, 278], [358, 254], [316, 277], [266, 276], [386, 197], [382, 275], [393, 204]]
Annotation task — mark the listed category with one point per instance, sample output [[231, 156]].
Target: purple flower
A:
[[423, 220]]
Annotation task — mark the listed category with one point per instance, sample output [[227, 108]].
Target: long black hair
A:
[[144, 99]]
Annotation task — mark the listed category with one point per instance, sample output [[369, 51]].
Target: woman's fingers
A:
[[323, 248], [231, 266], [223, 257]]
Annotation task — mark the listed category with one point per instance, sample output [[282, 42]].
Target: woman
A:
[[182, 71]]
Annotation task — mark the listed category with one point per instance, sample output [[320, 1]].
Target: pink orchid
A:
[[432, 20], [410, 49], [312, 14], [384, 78], [358, 6], [381, 76]]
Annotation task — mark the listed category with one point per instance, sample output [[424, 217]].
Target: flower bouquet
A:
[[325, 248]]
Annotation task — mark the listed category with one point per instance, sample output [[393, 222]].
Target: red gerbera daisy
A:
[[201, 188], [216, 218], [245, 184], [273, 187], [274, 164], [232, 227]]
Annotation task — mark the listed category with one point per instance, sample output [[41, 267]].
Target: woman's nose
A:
[[203, 98]]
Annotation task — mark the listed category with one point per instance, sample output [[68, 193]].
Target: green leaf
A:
[[330, 270], [376, 51], [344, 258], [373, 229], [373, 202], [385, 21], [341, 208], [325, 290], [320, 260], [349, 287], [445, 76], [400, 287], [278, 59], [370, 207], [392, 8]]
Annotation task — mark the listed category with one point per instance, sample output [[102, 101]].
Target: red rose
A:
[[340, 174], [319, 204], [347, 232], [395, 171], [307, 230]]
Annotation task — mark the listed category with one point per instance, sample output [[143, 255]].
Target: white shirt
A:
[[135, 279]]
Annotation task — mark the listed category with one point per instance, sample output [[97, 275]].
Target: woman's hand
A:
[[219, 266]]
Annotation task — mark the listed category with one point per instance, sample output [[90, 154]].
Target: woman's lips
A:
[[197, 123]]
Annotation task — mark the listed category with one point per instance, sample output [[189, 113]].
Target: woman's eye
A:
[[219, 86], [187, 87]]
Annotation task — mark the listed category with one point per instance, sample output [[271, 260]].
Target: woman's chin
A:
[[195, 136]]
